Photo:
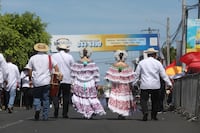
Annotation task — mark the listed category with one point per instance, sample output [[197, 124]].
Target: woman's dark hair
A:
[[85, 53], [121, 56]]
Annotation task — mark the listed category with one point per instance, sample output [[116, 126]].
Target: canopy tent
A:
[[192, 61], [171, 71]]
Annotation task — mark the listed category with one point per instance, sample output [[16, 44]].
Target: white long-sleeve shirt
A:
[[4, 68], [149, 71], [13, 76], [25, 79], [65, 61]]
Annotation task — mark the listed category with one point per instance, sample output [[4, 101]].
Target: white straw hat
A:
[[151, 51]]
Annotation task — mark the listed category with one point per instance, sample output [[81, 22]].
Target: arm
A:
[[3, 65], [165, 77], [30, 77]]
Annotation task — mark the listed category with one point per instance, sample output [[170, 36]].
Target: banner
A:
[[107, 42], [193, 35]]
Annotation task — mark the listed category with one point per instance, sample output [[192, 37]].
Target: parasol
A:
[[171, 71], [192, 60], [190, 57]]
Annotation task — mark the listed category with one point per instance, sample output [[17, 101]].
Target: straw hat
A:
[[151, 51], [63, 46], [26, 67], [41, 47], [63, 43]]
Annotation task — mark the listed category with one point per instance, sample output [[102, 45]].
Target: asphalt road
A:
[[21, 121]]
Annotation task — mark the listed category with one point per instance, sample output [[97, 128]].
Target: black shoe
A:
[[154, 116], [9, 110], [120, 117], [37, 115], [56, 113], [65, 116], [145, 117], [45, 119]]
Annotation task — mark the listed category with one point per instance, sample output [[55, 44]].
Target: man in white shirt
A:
[[149, 71], [3, 75], [65, 61], [40, 75], [1, 87], [13, 82], [3, 65]]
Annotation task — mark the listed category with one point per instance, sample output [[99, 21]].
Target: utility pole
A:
[[150, 30], [199, 10], [184, 21], [168, 42]]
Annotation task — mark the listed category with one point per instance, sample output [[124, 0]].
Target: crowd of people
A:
[[58, 77]]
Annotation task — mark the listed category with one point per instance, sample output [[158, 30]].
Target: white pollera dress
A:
[[84, 98], [121, 99]]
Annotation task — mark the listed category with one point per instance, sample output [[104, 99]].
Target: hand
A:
[[168, 92], [60, 76], [168, 89], [18, 89]]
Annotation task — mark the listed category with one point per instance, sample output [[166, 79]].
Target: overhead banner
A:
[[193, 35], [107, 42]]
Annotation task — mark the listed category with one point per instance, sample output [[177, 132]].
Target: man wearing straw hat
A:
[[149, 71], [40, 77], [65, 61]]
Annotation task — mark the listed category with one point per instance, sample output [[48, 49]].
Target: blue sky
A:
[[101, 16]]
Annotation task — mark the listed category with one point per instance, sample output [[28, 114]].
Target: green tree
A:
[[19, 33], [172, 53]]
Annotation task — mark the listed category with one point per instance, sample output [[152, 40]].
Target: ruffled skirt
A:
[[87, 106], [85, 99], [121, 100]]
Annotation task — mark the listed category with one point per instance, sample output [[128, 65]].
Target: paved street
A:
[[21, 121]]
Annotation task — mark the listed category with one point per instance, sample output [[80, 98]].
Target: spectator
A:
[[65, 61], [40, 76], [149, 71], [85, 76], [13, 82], [121, 76], [1, 88], [3, 79], [27, 90], [162, 90]]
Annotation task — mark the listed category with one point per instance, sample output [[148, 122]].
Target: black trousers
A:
[[65, 91], [155, 94], [28, 97]]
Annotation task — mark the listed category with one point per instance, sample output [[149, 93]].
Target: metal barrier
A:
[[186, 96]]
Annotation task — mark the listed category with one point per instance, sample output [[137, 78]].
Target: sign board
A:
[[193, 35], [108, 42]]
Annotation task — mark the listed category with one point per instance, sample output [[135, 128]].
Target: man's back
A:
[[39, 64], [13, 76], [65, 62], [150, 70]]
